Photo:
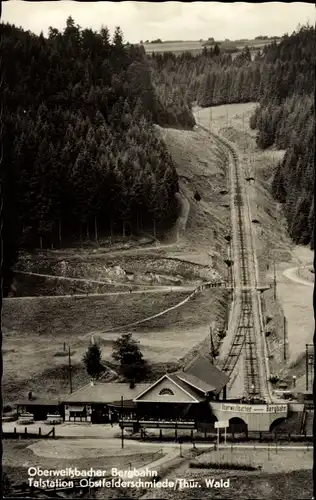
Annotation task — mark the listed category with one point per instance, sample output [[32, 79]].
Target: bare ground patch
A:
[[202, 169]]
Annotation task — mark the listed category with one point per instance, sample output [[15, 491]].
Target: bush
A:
[[274, 378], [221, 465], [60, 354], [197, 196]]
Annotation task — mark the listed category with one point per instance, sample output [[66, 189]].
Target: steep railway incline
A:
[[245, 337]]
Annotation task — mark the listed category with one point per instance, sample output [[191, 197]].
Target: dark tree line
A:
[[80, 153], [281, 78], [286, 119]]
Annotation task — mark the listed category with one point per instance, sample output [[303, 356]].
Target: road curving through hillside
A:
[[292, 274]]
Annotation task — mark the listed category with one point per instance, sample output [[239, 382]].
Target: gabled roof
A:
[[188, 389], [203, 369], [193, 395], [105, 392], [195, 382]]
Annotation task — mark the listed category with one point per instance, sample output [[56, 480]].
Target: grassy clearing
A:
[[222, 466], [68, 317], [278, 479], [37, 345], [252, 486], [196, 47], [49, 383], [81, 453], [203, 308], [34, 333], [170, 337], [270, 461]]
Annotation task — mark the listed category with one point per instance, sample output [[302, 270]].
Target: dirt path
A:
[[148, 288], [291, 274]]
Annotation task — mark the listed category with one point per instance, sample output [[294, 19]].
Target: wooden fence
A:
[[26, 434]]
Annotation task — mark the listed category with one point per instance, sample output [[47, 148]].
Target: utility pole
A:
[[274, 280], [70, 369], [122, 426], [212, 347], [243, 131], [284, 337], [306, 360]]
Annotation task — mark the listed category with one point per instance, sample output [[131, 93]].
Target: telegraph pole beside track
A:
[[274, 280], [70, 369]]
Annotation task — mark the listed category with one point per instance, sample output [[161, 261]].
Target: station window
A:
[[166, 392]]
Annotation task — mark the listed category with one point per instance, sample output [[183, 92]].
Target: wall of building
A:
[[178, 394], [294, 407], [257, 417], [84, 410]]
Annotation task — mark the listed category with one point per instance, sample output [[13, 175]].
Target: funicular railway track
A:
[[246, 339]]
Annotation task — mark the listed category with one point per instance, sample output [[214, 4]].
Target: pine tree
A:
[[127, 352], [92, 361]]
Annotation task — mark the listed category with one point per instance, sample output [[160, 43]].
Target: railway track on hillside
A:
[[247, 336]]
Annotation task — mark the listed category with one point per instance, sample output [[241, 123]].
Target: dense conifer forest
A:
[[80, 153], [282, 80]]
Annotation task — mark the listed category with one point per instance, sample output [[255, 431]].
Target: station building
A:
[[101, 402], [183, 395], [192, 398]]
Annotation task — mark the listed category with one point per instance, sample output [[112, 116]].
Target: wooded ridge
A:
[[80, 154]]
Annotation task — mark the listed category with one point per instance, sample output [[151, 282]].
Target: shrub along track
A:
[[245, 334]]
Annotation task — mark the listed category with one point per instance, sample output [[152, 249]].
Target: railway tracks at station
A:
[[247, 337]]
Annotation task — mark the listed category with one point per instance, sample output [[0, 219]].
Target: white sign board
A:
[[254, 408], [221, 424]]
